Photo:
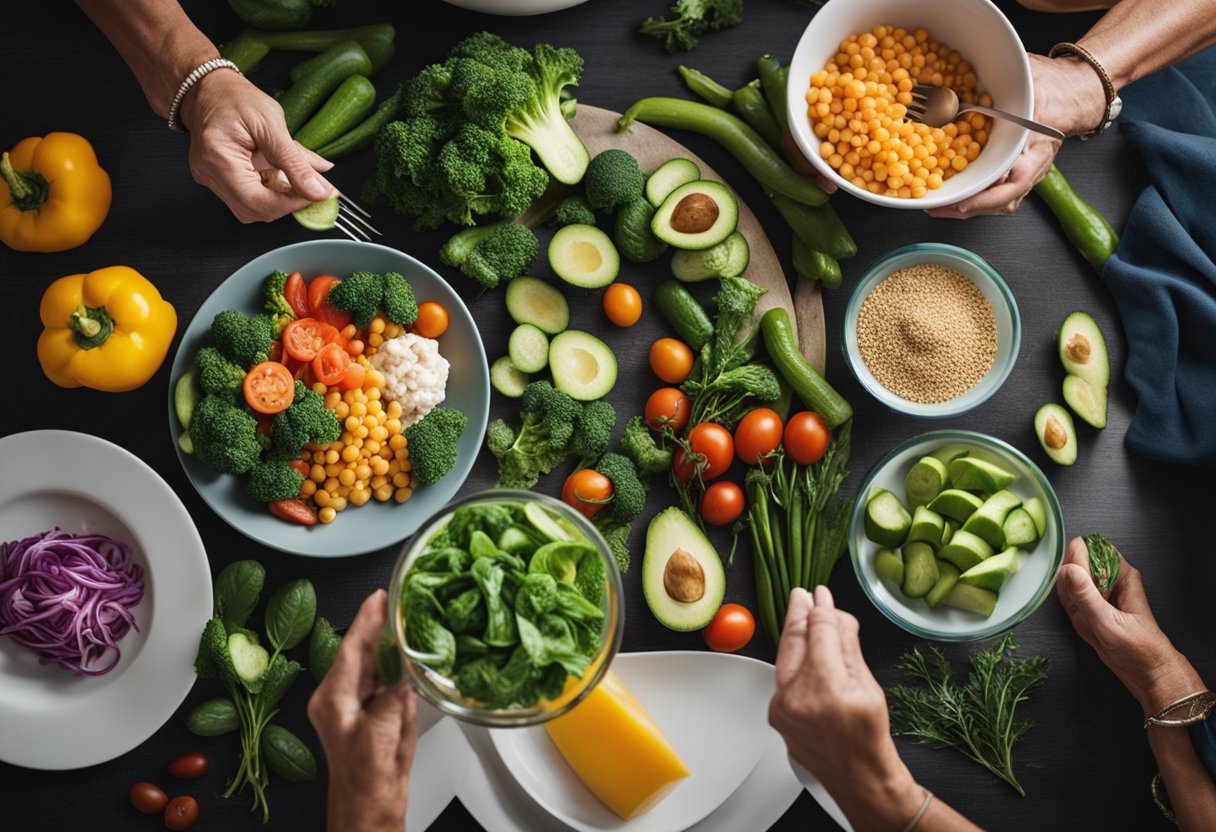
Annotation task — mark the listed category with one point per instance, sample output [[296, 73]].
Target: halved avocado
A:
[[1083, 349], [583, 366], [1086, 400], [583, 256], [696, 216], [1056, 433], [682, 575]]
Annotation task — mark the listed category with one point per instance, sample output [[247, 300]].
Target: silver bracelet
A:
[[924, 807], [193, 78]]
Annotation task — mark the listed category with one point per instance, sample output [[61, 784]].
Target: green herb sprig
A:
[[976, 716], [1103, 561]]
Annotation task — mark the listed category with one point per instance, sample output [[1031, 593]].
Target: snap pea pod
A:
[[811, 387], [817, 225], [815, 264], [346, 107], [1085, 228], [774, 79], [706, 87], [750, 104], [364, 133], [735, 135], [303, 98]]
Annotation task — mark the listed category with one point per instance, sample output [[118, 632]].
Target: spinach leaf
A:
[[536, 596], [571, 603], [322, 648], [500, 623], [561, 559], [287, 755], [237, 590], [290, 613], [447, 559], [549, 641], [424, 633], [465, 613]]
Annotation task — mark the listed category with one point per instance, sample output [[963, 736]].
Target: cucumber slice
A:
[[887, 521], [889, 565], [1083, 349], [948, 532], [1056, 433], [1086, 400], [1020, 529], [185, 397], [186, 443], [531, 300], [925, 480], [988, 521], [320, 216], [583, 256], [583, 366], [992, 572], [528, 349], [971, 598], [1038, 512], [545, 523], [965, 550], [920, 570], [947, 577], [927, 527], [696, 216], [949, 453], [507, 380], [249, 659], [973, 474], [956, 504], [668, 176], [728, 258]]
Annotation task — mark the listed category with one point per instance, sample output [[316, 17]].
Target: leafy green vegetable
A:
[[691, 18], [542, 441], [290, 613], [977, 716], [1103, 561], [287, 755], [237, 590]]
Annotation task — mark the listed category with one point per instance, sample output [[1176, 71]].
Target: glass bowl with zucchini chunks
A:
[[956, 536], [505, 609]]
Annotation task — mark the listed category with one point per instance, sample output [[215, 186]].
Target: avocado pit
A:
[[695, 213], [683, 577]]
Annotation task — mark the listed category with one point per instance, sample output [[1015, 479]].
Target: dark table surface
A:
[[1085, 765]]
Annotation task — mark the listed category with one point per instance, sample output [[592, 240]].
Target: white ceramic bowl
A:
[[987, 280], [515, 8], [976, 28]]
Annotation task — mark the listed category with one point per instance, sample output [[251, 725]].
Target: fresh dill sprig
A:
[[1103, 561]]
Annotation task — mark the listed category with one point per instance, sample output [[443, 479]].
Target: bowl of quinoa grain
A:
[[931, 330]]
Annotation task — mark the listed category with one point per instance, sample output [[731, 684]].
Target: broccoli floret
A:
[[542, 441], [617, 538], [691, 18], [539, 122], [398, 301], [217, 376], [276, 306], [213, 660], [244, 341], [307, 420], [492, 254], [593, 431], [272, 480], [613, 179], [572, 210], [432, 443], [638, 444], [224, 435], [568, 103], [359, 294], [628, 490]]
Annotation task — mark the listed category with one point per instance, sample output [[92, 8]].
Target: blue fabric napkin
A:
[[1163, 276], [1203, 737]]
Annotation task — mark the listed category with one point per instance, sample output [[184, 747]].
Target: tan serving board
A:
[[597, 128]]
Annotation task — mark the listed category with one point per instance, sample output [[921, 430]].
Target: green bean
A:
[[817, 225], [815, 264], [706, 87], [749, 103], [774, 83], [739, 139]]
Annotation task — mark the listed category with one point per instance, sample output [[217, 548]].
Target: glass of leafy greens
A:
[[505, 609]]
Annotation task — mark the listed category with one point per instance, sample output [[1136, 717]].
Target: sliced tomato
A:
[[319, 305], [296, 293], [276, 351], [303, 339], [293, 511], [353, 378], [330, 365], [270, 388]]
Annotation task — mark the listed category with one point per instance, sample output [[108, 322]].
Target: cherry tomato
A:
[[296, 293], [731, 629], [319, 305], [807, 437], [148, 799], [353, 378], [432, 320], [293, 511], [667, 406], [355, 346], [712, 448], [188, 766], [303, 339], [671, 360], [181, 813], [301, 466], [758, 433], [587, 492], [722, 503], [330, 364], [269, 387], [622, 304]]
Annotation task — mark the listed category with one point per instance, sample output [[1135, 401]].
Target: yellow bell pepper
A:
[[109, 330], [53, 194]]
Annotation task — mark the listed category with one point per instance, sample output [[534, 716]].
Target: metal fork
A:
[[353, 220], [938, 106]]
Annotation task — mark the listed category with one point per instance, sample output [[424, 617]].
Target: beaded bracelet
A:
[[193, 78]]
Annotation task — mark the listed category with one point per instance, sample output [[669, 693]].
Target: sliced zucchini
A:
[[728, 258], [887, 521], [528, 348], [925, 480], [583, 256], [531, 300], [507, 380], [696, 216], [668, 176]]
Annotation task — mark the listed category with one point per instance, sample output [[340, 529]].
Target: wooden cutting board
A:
[[597, 128]]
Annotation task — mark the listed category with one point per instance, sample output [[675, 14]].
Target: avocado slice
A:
[[1020, 529], [974, 474], [947, 577], [948, 453], [696, 216], [965, 550], [668, 176], [925, 480], [988, 521], [927, 527], [1056, 433], [920, 570], [682, 575], [1083, 349], [992, 573], [583, 366], [1038, 512], [584, 256], [971, 598], [1086, 400], [956, 504], [889, 565]]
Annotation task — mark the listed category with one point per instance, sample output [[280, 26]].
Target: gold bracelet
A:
[[1197, 705], [1113, 103], [1162, 799], [924, 807]]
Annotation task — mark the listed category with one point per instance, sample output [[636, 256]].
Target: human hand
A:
[[1123, 631], [368, 731], [237, 134], [833, 715]]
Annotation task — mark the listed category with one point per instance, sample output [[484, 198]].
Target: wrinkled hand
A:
[[239, 142], [833, 715], [368, 731], [1124, 632]]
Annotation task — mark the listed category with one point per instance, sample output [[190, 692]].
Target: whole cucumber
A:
[[364, 133], [1085, 228], [817, 225], [213, 718], [811, 387], [687, 317], [350, 102], [303, 98], [816, 265], [277, 15]]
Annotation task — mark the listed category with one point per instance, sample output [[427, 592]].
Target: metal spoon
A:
[[938, 106]]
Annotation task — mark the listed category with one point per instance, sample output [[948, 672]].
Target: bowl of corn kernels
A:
[[851, 81]]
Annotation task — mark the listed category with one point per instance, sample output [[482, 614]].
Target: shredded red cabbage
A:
[[67, 597]]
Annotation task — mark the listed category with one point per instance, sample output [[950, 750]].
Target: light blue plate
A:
[[375, 525]]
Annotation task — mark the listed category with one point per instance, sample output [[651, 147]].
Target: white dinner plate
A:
[[515, 7], [712, 707], [53, 718], [441, 759]]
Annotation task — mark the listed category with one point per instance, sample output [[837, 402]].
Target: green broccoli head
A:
[[543, 402], [617, 538], [638, 444], [613, 179], [542, 441], [276, 305], [224, 435], [307, 420], [628, 490], [572, 210], [492, 254], [499, 437], [271, 480], [431, 442], [217, 376], [593, 431], [242, 340], [359, 294], [212, 660], [540, 122], [398, 301]]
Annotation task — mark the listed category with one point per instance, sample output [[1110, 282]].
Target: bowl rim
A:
[[505, 717], [996, 446], [889, 399], [809, 146]]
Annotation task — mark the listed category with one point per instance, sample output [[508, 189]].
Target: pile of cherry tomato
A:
[[181, 812]]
